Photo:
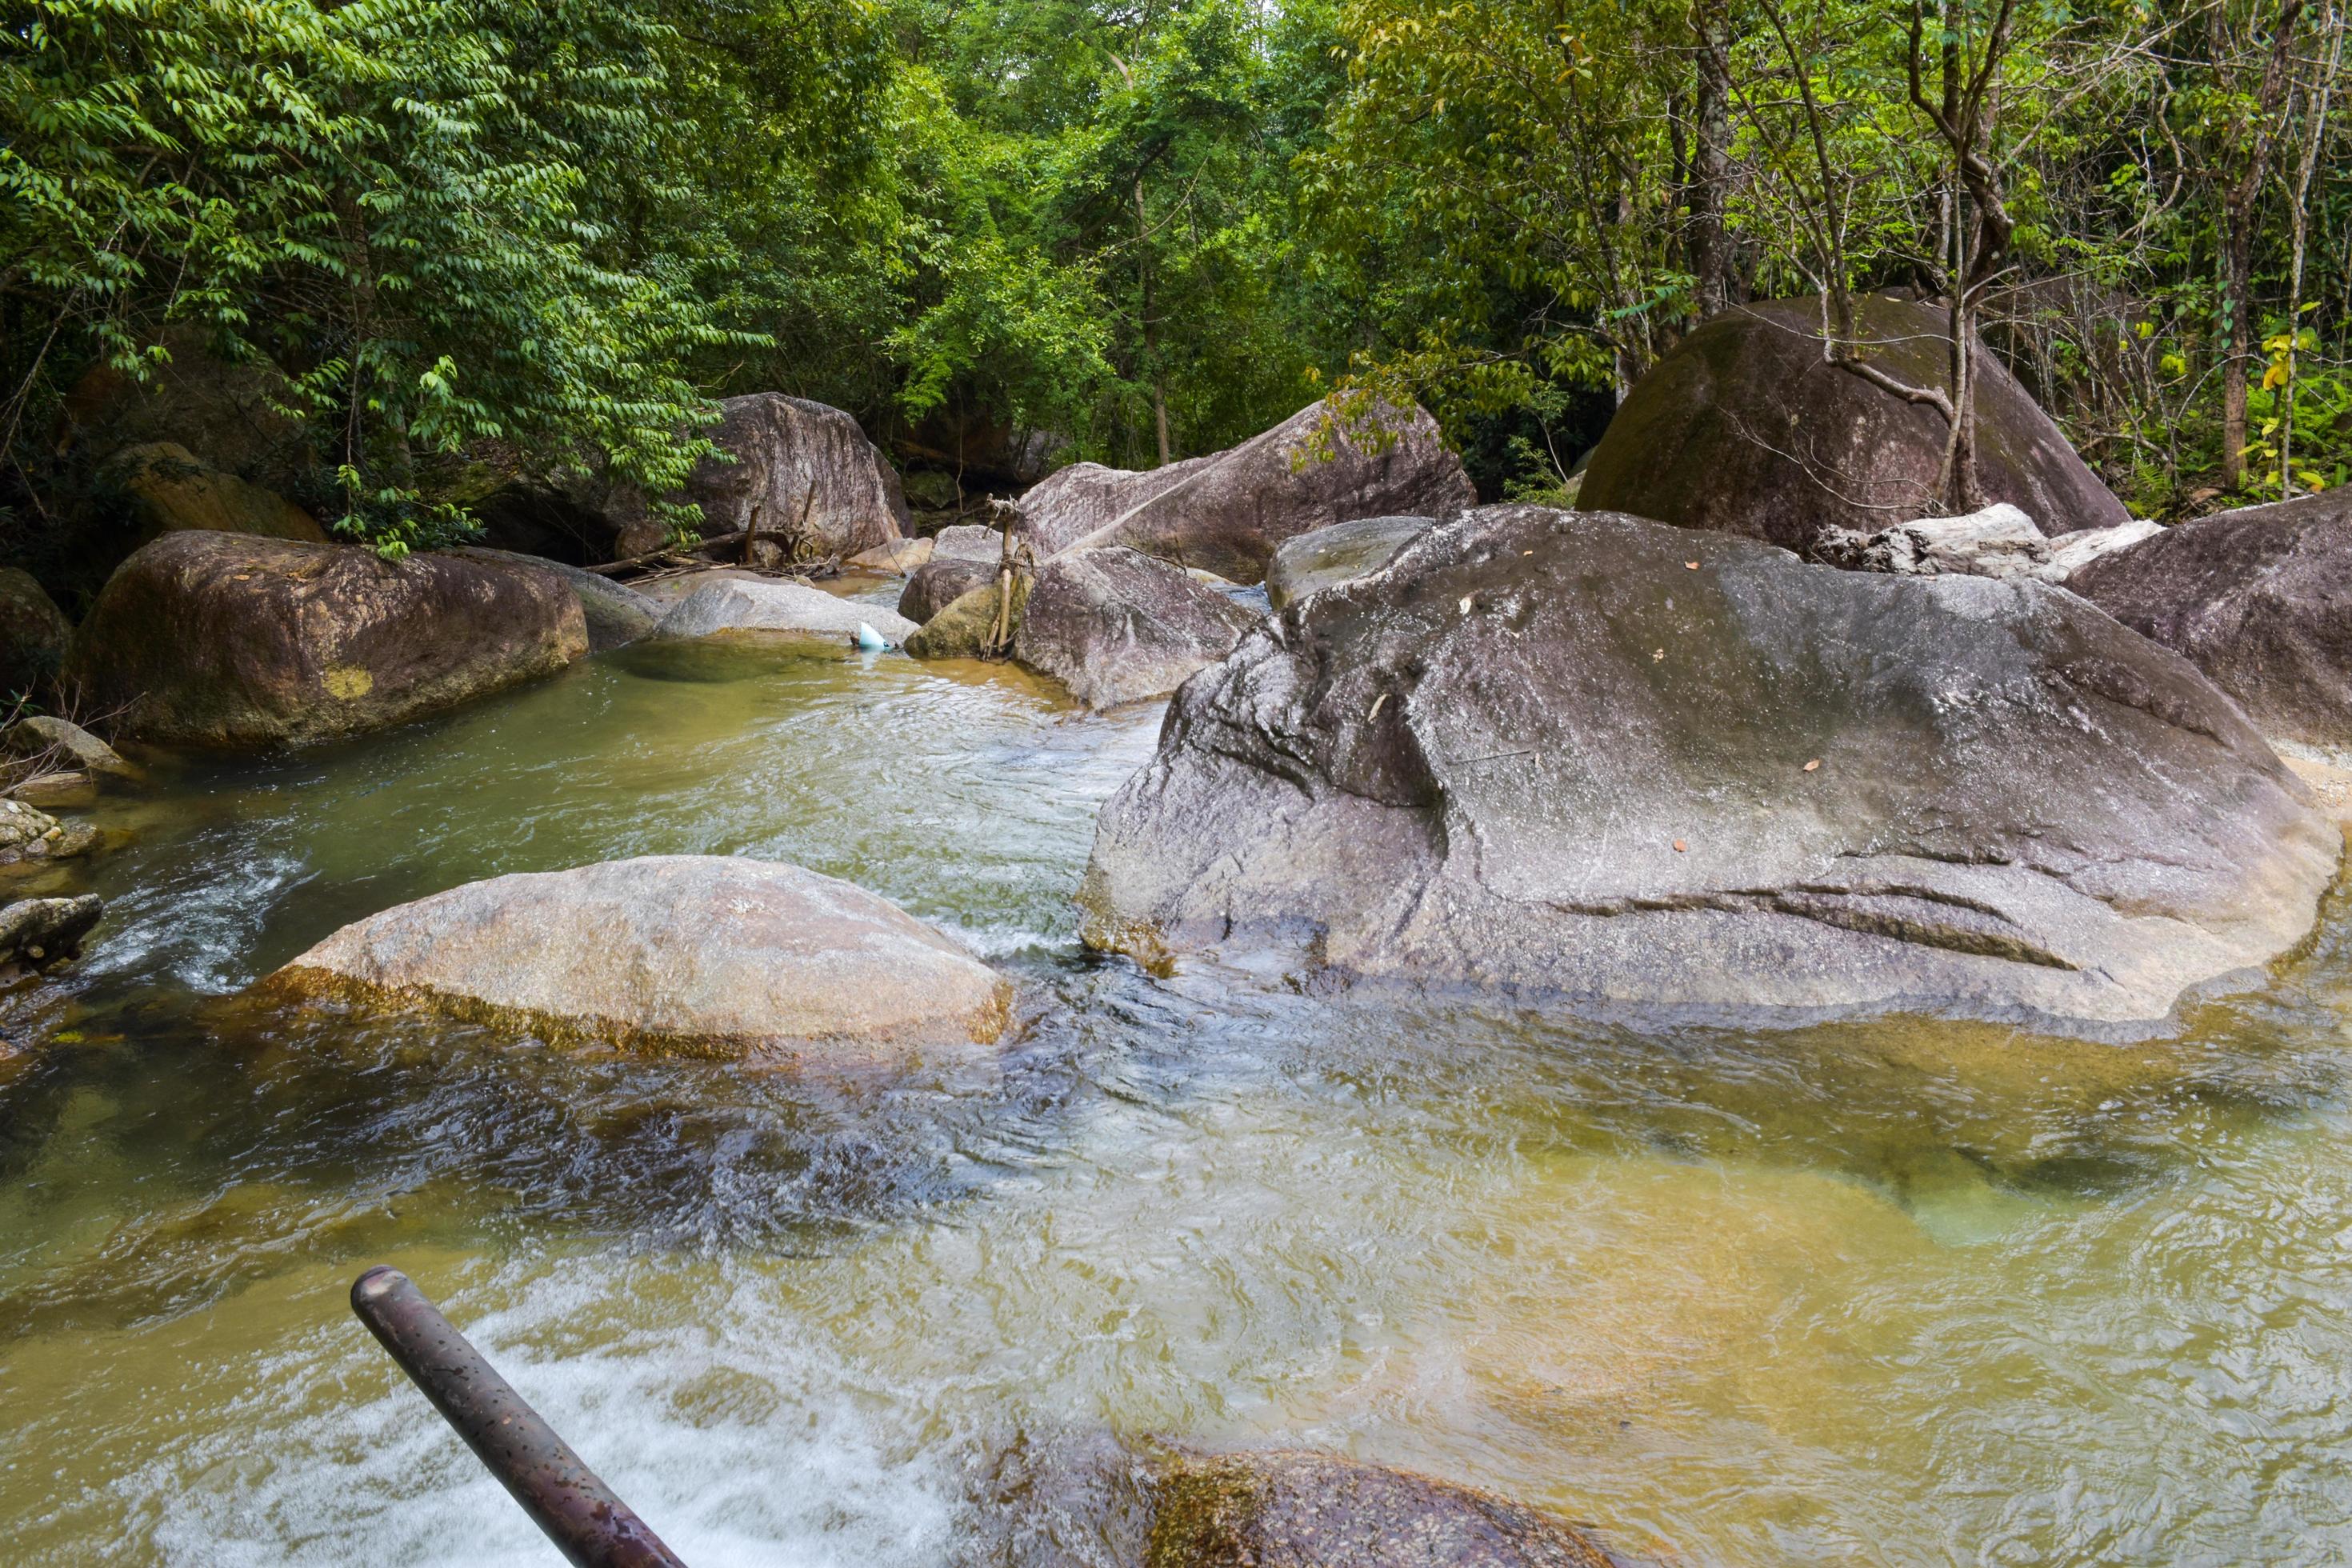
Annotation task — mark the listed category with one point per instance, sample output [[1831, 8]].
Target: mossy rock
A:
[[964, 629]]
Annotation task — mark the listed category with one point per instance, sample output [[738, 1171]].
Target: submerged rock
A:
[[803, 472], [617, 615], [29, 833], [218, 639], [701, 951], [1339, 553], [2260, 599], [1293, 1509], [41, 933], [170, 490], [785, 612], [1591, 754], [937, 583], [1743, 427], [34, 633], [1116, 625], [1229, 511], [1998, 541]]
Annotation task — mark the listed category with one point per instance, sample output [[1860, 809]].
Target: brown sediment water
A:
[[1882, 1291]]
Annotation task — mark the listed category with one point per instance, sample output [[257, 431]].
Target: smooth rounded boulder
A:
[[2260, 599], [1337, 554], [1117, 625], [1591, 755], [777, 611], [617, 615], [940, 581], [1744, 427], [706, 953], [168, 489], [1286, 1508], [1228, 512], [221, 640], [803, 473], [34, 633]]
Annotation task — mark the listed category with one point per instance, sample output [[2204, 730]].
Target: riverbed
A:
[[1890, 1291]]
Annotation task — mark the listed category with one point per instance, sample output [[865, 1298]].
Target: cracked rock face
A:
[[1585, 754]]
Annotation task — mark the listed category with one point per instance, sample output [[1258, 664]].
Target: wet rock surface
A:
[[1285, 1509], [2260, 599], [1744, 427], [701, 951], [1228, 512], [41, 933], [1338, 553], [779, 610], [1116, 625], [29, 833], [1591, 754], [218, 639]]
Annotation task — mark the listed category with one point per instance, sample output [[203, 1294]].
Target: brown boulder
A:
[[2260, 599], [168, 491], [964, 627], [218, 639], [34, 633], [805, 472], [1744, 428], [1229, 511], [707, 952], [1292, 1510], [1116, 625], [937, 583]]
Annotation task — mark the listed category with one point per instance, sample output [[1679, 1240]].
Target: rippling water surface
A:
[[1889, 1292]]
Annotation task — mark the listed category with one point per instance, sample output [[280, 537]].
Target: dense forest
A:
[[457, 239]]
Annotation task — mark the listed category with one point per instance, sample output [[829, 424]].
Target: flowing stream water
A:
[[1898, 1291]]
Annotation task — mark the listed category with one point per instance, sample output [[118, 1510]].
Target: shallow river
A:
[[1898, 1292]]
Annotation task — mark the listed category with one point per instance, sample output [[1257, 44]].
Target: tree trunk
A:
[[1150, 331], [1710, 173]]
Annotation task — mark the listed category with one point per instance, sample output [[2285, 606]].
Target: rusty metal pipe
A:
[[592, 1528]]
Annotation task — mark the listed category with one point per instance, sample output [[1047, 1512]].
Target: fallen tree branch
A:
[[716, 540]]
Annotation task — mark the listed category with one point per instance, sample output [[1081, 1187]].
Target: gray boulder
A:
[[1586, 753], [1743, 427], [707, 952], [1116, 625], [41, 933], [1293, 1509], [937, 583], [1338, 553], [805, 472], [29, 833], [1998, 541], [780, 612], [2260, 599], [2070, 553], [615, 614], [71, 746], [1228, 512], [968, 542]]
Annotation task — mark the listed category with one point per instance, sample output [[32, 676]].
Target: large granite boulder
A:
[[1337, 554], [1294, 1509], [2260, 599], [1589, 755], [777, 611], [940, 581], [34, 633], [1743, 427], [221, 640], [617, 615], [805, 472], [1116, 625], [167, 491], [1229, 511], [704, 951]]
